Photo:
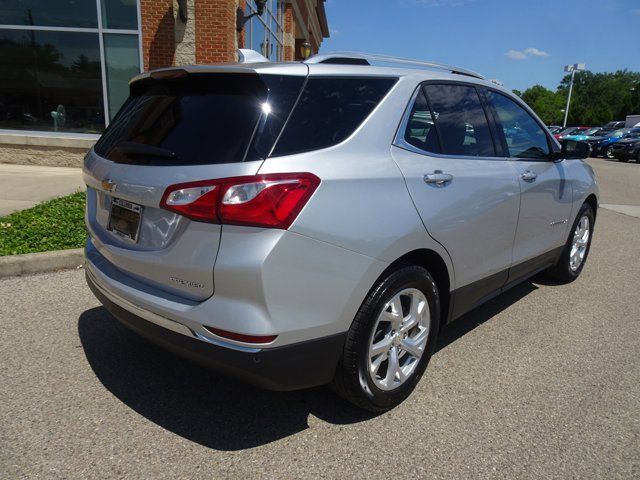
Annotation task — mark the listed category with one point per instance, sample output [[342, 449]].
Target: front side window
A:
[[461, 120], [524, 136]]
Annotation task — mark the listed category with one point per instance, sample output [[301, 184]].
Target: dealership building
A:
[[65, 64]]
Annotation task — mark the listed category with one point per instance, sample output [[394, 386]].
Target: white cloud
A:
[[526, 53], [535, 52], [635, 11], [516, 55]]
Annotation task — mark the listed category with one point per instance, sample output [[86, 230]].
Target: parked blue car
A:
[[603, 145], [587, 134]]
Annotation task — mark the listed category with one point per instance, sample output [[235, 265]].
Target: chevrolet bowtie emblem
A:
[[109, 185]]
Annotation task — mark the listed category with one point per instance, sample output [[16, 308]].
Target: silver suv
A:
[[297, 224]]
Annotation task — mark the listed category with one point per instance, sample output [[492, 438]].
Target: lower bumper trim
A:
[[290, 367]]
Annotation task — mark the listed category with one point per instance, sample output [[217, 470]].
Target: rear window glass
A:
[[200, 119], [329, 110], [461, 120], [421, 131]]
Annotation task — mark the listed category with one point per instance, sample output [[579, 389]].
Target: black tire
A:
[[352, 380], [608, 153], [624, 160], [562, 270]]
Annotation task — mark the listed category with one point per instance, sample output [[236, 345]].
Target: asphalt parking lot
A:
[[542, 382]]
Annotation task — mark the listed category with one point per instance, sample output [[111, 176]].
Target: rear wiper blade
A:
[[133, 148]]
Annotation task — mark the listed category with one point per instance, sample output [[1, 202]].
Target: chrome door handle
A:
[[529, 176], [438, 178]]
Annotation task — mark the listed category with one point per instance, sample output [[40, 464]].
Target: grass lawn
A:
[[54, 225]]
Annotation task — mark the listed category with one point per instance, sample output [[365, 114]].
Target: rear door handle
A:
[[438, 178], [529, 176]]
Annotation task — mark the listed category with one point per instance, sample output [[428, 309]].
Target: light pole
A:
[[573, 69]]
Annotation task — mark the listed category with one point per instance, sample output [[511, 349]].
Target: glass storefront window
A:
[[60, 71], [264, 34], [123, 63], [49, 13], [50, 81], [121, 14]]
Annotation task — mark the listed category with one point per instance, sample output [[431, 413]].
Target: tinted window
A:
[[461, 120], [524, 136], [421, 131], [329, 110], [50, 81], [283, 93], [54, 13], [198, 119]]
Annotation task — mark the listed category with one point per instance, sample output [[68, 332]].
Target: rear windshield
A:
[[200, 119], [227, 118]]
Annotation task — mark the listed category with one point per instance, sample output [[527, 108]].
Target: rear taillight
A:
[[271, 200]]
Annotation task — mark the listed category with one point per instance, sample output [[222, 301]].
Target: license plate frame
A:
[[125, 219]]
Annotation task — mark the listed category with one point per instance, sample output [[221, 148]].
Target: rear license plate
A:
[[125, 218]]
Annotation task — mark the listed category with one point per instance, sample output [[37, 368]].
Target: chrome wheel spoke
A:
[[375, 365], [381, 347], [415, 346], [393, 367]]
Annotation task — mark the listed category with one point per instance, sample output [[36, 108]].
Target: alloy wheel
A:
[[399, 339], [580, 243]]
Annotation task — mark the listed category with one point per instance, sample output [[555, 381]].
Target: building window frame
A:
[[269, 12], [101, 31]]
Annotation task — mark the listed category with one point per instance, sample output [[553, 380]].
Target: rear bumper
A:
[[290, 367]]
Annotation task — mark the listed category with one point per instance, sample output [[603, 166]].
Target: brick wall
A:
[[216, 31], [289, 43], [158, 39]]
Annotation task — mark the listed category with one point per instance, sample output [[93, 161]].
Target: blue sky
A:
[[519, 42]]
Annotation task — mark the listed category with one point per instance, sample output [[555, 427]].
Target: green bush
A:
[[54, 225]]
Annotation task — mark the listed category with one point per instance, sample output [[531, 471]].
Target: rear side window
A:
[[524, 136], [200, 119], [329, 110], [461, 120], [421, 131]]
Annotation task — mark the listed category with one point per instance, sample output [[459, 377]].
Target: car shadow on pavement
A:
[[216, 411], [194, 402]]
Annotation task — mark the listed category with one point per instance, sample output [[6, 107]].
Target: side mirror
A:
[[573, 150]]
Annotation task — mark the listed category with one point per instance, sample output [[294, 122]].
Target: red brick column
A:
[[158, 44], [216, 31], [289, 34]]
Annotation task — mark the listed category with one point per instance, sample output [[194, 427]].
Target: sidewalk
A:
[[22, 186]]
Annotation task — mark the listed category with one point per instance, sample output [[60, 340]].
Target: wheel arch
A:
[[437, 267]]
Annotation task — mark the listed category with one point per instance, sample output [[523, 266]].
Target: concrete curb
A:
[[13, 265]]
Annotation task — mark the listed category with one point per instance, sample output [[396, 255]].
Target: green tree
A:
[[597, 98], [547, 104]]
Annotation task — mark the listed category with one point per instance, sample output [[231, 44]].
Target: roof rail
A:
[[358, 58]]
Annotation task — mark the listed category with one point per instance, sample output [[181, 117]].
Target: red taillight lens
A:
[[271, 200], [241, 337], [196, 200]]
